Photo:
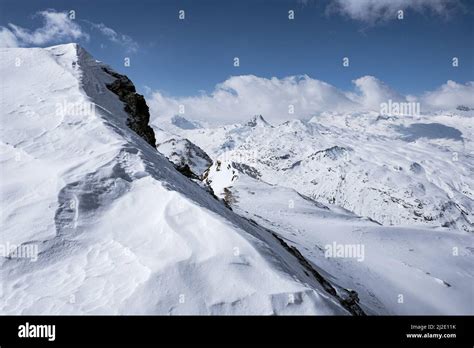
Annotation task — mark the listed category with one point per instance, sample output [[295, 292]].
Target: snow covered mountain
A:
[[340, 183], [188, 158], [395, 270], [95, 220], [98, 218], [404, 171]]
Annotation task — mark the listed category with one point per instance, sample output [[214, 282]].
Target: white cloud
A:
[[7, 39], [240, 97], [449, 96], [379, 10], [124, 40], [371, 92], [57, 26]]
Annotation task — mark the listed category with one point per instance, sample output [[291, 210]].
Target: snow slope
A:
[[118, 229], [400, 271], [403, 171]]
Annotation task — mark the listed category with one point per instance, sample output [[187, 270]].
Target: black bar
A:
[[289, 330]]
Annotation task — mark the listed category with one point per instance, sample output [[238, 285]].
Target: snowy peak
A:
[[184, 123], [188, 158], [95, 77], [334, 153], [258, 121]]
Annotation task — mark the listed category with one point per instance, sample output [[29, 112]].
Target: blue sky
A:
[[182, 58]]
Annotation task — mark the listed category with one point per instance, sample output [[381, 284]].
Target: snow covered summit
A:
[[113, 226], [258, 121]]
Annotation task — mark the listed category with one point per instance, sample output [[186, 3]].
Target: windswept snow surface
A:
[[118, 229], [398, 270]]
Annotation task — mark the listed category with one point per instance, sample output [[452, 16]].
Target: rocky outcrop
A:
[[258, 121], [135, 106], [247, 170], [463, 108]]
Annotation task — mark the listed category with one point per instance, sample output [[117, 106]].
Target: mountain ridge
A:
[[119, 230]]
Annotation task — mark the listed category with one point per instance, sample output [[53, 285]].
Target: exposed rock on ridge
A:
[[135, 106]]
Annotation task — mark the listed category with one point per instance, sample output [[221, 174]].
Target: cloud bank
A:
[[240, 97], [449, 96]]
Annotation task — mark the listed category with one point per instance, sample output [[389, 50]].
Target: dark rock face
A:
[[257, 120], [246, 169], [333, 153], [135, 106], [186, 171], [463, 108]]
